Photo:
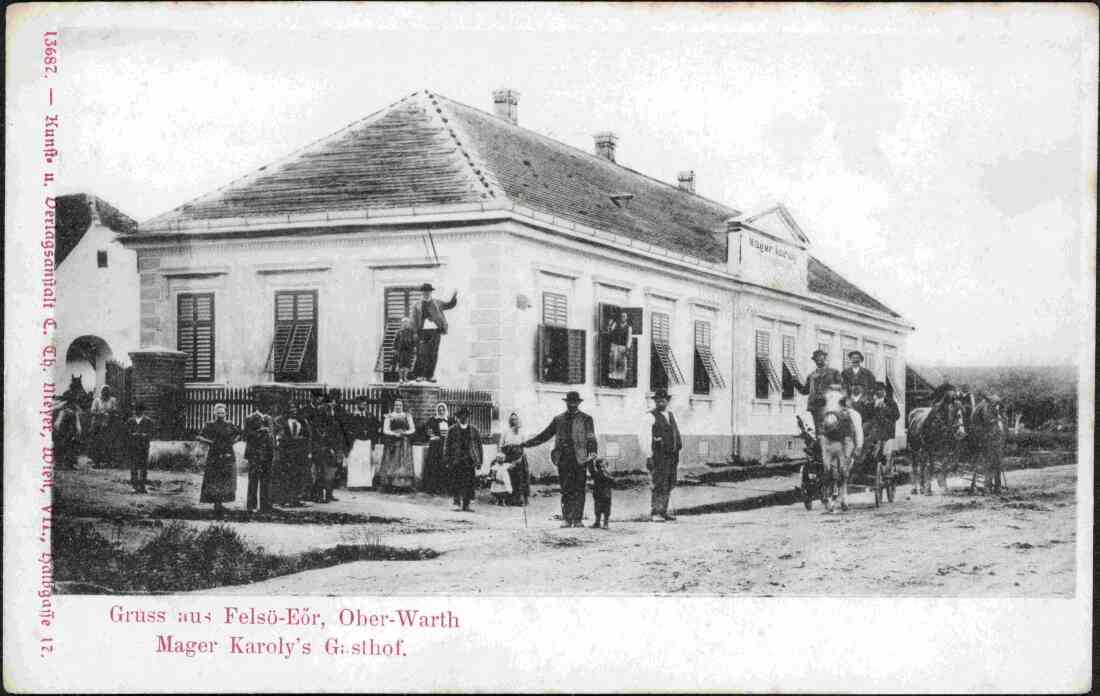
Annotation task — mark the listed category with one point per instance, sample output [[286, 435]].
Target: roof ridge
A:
[[475, 164], [604, 161], [253, 175]]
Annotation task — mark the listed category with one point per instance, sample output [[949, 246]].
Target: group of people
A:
[[854, 416]]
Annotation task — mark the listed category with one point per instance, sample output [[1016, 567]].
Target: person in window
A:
[[139, 432], [430, 324], [575, 445], [219, 477], [434, 432], [619, 331], [405, 344], [857, 374], [817, 383], [464, 457], [396, 469], [511, 449]]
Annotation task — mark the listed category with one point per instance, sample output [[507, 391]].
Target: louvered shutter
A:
[[399, 303], [790, 367], [555, 309], [632, 365], [660, 339], [294, 345], [195, 335], [577, 341], [765, 371]]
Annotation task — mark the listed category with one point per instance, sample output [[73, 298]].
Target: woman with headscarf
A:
[[219, 477], [396, 469], [511, 449], [106, 418], [435, 478]]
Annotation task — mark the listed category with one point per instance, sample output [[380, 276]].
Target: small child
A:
[[500, 481], [404, 349], [601, 492]]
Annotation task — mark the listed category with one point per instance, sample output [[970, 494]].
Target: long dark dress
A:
[[435, 477], [292, 477], [396, 469], [512, 448], [219, 478]]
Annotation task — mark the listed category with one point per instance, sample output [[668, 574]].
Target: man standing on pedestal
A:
[[430, 324], [574, 446], [661, 444]]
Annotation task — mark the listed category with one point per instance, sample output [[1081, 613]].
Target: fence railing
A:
[[418, 400]]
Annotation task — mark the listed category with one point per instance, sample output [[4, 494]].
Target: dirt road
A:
[[1019, 544]]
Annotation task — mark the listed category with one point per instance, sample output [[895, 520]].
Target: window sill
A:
[[205, 385], [555, 387], [706, 398]]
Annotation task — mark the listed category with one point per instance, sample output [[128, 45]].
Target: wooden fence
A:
[[419, 400]]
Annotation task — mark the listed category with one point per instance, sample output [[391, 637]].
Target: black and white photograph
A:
[[787, 303]]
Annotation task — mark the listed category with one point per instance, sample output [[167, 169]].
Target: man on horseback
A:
[[817, 383]]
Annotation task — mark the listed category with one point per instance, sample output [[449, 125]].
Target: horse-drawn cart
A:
[[871, 470]]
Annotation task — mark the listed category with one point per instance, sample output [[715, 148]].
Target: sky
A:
[[941, 157]]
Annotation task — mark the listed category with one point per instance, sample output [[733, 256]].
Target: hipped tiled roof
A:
[[427, 150]]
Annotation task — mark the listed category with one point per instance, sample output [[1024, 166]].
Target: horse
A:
[[67, 434], [77, 401], [836, 454], [988, 431], [935, 434]]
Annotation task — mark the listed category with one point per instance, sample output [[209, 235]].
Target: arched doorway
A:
[[87, 358]]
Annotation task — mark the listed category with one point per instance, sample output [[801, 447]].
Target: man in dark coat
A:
[[259, 450], [140, 429], [661, 444], [880, 416], [857, 374], [328, 447], [817, 383], [575, 445], [464, 454], [292, 457], [430, 324]]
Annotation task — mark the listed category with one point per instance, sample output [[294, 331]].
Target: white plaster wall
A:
[[95, 301]]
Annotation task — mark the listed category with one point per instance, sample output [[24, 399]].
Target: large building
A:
[[300, 272]]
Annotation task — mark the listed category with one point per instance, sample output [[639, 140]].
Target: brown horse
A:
[[988, 431], [935, 435]]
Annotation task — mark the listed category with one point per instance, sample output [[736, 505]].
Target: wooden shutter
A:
[[708, 375], [632, 365], [555, 309], [195, 335], [765, 371], [660, 338], [790, 367], [577, 341], [399, 303], [294, 346]]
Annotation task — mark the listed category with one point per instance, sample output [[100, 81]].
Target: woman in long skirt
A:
[[435, 465], [512, 448], [396, 469], [219, 478]]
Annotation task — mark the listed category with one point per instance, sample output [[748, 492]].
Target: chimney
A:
[[506, 105], [605, 145], [687, 181]]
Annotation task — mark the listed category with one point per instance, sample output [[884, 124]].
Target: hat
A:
[[819, 352], [426, 287], [880, 385], [316, 392], [573, 396], [462, 411], [661, 393], [854, 353]]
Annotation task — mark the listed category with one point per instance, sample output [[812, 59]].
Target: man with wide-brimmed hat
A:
[[817, 383], [430, 324], [661, 444], [464, 454], [855, 374], [574, 446]]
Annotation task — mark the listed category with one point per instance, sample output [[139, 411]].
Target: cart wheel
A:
[[891, 480], [807, 489], [890, 490], [878, 482]]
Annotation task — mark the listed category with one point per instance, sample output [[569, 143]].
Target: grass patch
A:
[[181, 558], [73, 508]]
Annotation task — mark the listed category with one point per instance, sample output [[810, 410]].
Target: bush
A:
[[1041, 440]]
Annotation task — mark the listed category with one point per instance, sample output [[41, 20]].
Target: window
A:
[[765, 372], [889, 363], [706, 374], [195, 335], [555, 309], [664, 371], [790, 367], [870, 357], [560, 354], [398, 303], [847, 345], [616, 362], [293, 353], [101, 258]]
